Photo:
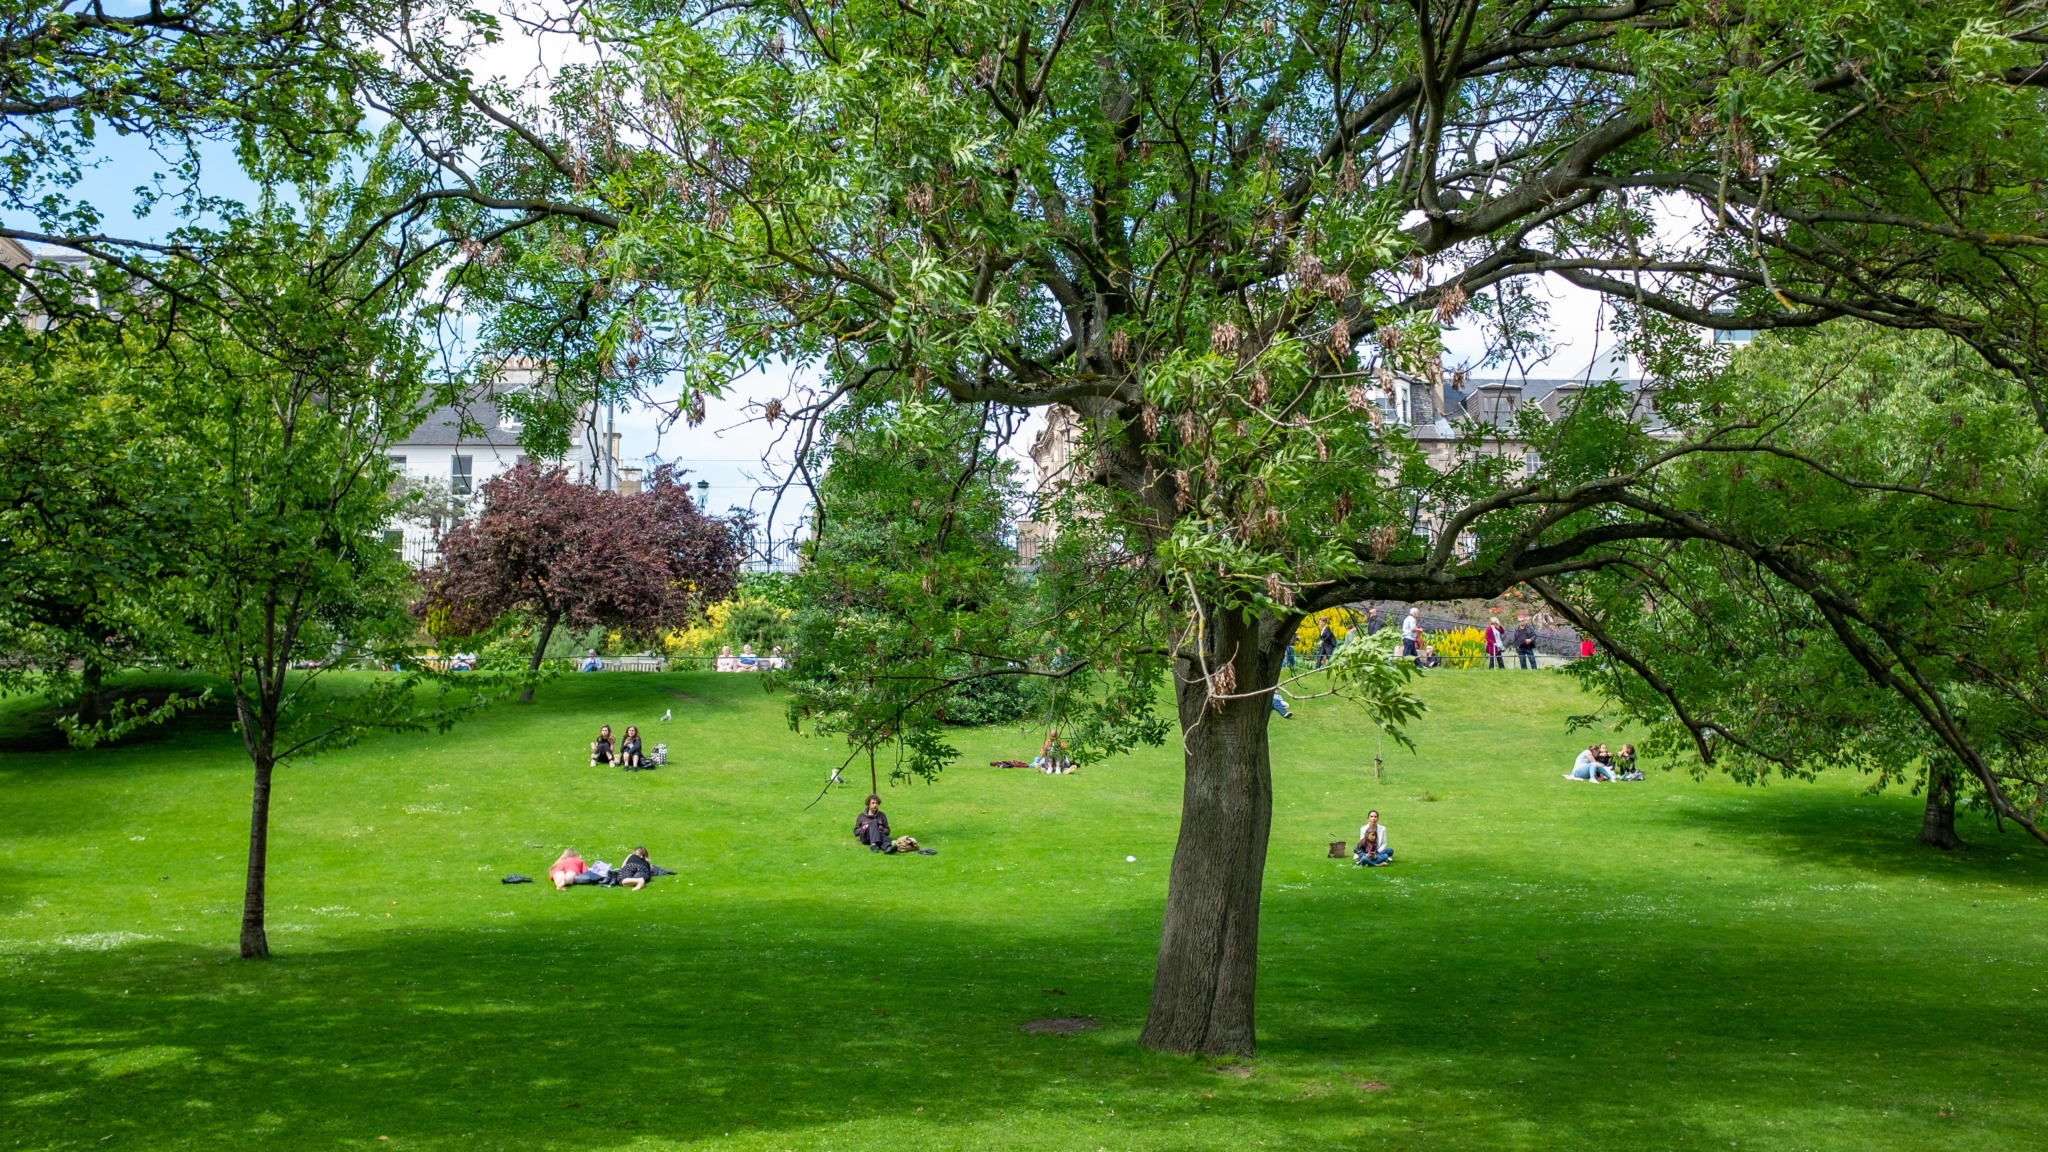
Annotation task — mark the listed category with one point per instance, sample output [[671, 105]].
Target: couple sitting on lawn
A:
[[627, 755], [569, 869]]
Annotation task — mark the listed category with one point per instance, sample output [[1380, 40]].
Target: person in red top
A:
[[567, 867], [1585, 647]]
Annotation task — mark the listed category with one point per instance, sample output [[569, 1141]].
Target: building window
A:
[[459, 473], [1735, 336], [398, 462]]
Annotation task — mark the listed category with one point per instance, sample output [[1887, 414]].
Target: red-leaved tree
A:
[[572, 553]]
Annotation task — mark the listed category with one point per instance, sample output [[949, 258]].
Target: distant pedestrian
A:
[[1496, 644], [1374, 620], [1585, 647], [1525, 641], [1411, 631], [1326, 645]]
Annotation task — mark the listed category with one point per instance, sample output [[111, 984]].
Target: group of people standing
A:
[[1523, 638]]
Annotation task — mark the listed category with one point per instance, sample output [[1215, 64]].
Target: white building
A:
[[459, 447]]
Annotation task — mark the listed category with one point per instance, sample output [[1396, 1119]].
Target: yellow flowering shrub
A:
[[1460, 647]]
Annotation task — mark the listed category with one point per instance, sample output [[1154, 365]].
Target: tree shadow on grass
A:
[[805, 1021], [1859, 832], [28, 722]]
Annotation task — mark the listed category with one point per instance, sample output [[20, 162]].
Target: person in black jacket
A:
[[637, 870], [872, 829], [1525, 642]]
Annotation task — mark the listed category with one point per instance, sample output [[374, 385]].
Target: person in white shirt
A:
[[1372, 843], [1592, 765], [1411, 630]]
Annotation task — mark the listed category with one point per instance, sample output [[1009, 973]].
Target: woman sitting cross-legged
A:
[[601, 748], [1372, 843], [629, 750]]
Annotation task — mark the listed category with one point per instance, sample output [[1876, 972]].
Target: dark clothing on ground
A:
[[636, 866], [872, 829], [602, 752]]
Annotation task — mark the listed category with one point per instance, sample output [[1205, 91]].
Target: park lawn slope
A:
[[1672, 964]]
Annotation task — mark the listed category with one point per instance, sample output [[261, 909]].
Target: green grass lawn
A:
[[1670, 964]]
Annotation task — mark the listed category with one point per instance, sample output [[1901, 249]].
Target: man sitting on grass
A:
[[872, 828], [1372, 843]]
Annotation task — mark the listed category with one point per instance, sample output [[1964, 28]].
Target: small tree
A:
[[573, 553], [287, 362]]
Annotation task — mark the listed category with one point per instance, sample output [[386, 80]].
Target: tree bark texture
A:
[[1202, 989], [540, 651], [255, 944], [91, 680], [1938, 823]]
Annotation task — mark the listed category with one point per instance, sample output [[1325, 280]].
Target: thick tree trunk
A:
[[1938, 823], [91, 679], [1202, 989], [255, 944], [540, 651]]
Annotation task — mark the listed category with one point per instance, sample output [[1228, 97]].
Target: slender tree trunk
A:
[[255, 944], [1938, 823], [1202, 989], [540, 651]]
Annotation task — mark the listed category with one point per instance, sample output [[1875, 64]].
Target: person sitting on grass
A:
[[1372, 843], [629, 750], [601, 748], [566, 868], [1593, 764], [1052, 755], [1427, 658], [637, 870], [872, 828], [1625, 764], [1280, 706]]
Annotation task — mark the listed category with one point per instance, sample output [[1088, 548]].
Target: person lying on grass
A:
[[637, 870], [601, 748], [629, 750], [1593, 764], [872, 828], [566, 868], [1372, 843]]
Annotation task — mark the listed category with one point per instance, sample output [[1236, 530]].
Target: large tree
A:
[[85, 513], [1225, 234], [570, 552]]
